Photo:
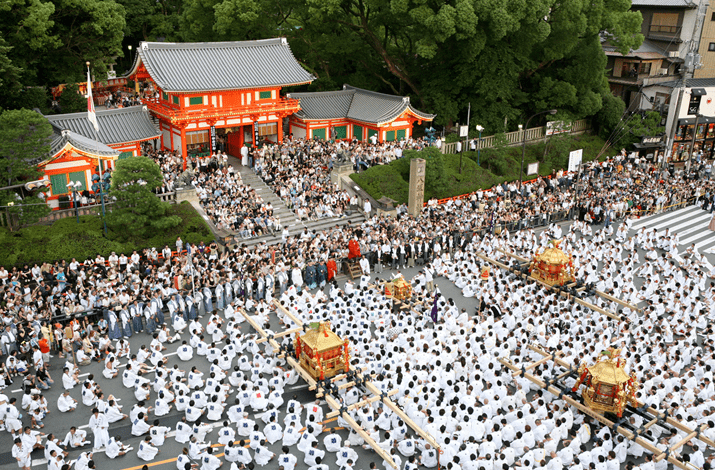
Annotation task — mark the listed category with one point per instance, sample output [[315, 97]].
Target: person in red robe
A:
[[332, 269], [353, 249]]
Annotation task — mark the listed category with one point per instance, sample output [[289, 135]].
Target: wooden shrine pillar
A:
[[279, 132], [184, 151]]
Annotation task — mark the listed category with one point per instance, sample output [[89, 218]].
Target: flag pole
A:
[[92, 117]]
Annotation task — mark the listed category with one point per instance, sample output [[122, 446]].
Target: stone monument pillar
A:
[[417, 186], [339, 170]]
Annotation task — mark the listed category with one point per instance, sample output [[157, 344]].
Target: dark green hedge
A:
[[66, 239], [496, 166]]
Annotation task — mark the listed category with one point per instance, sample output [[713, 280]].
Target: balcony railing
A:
[[280, 106]]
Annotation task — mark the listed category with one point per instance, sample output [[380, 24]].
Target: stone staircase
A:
[[287, 216]]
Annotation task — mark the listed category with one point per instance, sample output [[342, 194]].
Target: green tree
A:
[[71, 101], [137, 210], [25, 36], [87, 30], [25, 138], [610, 115], [510, 59], [636, 126]]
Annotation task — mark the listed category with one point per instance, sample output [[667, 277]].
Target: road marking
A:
[[299, 387]]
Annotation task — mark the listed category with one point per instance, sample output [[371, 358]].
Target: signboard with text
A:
[[213, 139], [557, 127], [575, 159]]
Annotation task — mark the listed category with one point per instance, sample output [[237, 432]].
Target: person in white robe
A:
[[158, 433], [66, 403], [226, 434], [161, 406], [115, 448], [183, 431], [273, 431], [140, 425], [100, 427], [262, 455], [75, 438], [114, 412], [146, 451]]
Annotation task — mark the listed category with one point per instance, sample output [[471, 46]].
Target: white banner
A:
[[575, 159]]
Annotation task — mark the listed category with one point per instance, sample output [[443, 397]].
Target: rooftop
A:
[[116, 126], [357, 104], [214, 66]]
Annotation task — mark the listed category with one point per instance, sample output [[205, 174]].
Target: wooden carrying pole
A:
[[280, 335], [359, 404], [563, 294], [329, 399], [396, 409], [602, 419], [602, 294], [389, 403], [659, 454]]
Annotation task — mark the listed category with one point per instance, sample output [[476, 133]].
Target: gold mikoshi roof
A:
[[553, 255], [399, 282], [318, 341], [607, 372]]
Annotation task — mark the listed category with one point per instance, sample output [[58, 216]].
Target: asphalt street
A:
[[59, 423]]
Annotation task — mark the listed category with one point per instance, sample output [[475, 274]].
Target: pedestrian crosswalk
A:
[[689, 223]]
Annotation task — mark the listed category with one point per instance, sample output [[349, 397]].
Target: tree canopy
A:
[[25, 138], [137, 210], [509, 59]]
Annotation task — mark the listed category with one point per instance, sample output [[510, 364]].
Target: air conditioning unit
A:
[[673, 54], [662, 71]]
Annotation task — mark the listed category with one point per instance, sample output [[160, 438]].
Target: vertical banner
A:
[[255, 134], [213, 139]]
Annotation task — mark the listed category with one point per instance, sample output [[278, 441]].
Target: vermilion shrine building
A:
[[76, 152], [233, 88], [354, 113]]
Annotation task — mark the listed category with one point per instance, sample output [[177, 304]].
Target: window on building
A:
[[664, 23], [175, 99], [79, 177], [711, 46], [194, 100], [165, 96], [712, 18], [59, 184], [645, 68], [265, 95]]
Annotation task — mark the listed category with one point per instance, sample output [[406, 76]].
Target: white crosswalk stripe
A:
[[690, 224]]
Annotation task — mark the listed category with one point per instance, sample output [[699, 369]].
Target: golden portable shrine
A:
[[608, 387], [321, 352], [398, 288], [553, 266]]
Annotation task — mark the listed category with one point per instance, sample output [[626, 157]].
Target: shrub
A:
[[498, 164], [66, 239]]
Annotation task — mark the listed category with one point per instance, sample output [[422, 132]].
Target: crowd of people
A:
[[298, 171], [446, 369]]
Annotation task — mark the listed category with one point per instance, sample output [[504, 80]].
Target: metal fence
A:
[[513, 138], [10, 220]]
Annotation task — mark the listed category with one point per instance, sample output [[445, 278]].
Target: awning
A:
[[640, 146], [691, 120]]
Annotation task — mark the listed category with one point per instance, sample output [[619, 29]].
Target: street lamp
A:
[[74, 186], [479, 149], [101, 186], [523, 141]]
